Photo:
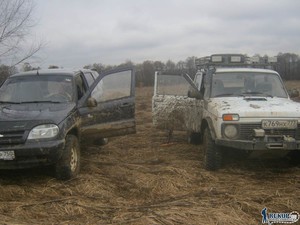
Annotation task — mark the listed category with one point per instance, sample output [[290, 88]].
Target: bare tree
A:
[[15, 23], [170, 66], [6, 71]]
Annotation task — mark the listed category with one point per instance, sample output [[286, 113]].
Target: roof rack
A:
[[235, 60]]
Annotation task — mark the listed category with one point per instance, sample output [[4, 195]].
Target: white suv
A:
[[229, 104]]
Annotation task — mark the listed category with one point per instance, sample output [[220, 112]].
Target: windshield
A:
[[247, 83], [43, 88]]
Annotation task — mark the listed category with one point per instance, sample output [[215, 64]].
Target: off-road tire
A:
[[68, 165], [212, 152], [294, 158], [194, 138]]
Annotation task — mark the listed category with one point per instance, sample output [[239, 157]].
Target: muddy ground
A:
[[139, 179]]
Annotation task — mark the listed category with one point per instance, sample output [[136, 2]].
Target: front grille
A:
[[246, 131], [11, 137]]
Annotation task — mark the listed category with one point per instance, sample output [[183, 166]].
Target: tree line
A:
[[145, 71], [288, 66]]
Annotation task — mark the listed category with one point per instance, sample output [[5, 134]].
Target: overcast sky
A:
[[81, 32]]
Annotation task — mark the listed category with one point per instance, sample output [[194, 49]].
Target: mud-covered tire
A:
[[212, 152], [194, 138], [294, 158], [68, 165]]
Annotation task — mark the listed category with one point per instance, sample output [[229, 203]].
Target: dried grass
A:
[[137, 180]]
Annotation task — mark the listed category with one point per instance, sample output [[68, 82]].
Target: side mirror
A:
[[194, 94], [294, 93], [91, 102]]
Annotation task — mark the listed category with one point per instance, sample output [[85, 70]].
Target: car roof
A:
[[252, 70], [50, 72]]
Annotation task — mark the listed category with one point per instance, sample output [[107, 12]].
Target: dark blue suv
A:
[[44, 114]]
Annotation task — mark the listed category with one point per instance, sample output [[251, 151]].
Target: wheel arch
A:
[[74, 131], [207, 122]]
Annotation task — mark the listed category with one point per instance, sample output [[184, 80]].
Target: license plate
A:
[[279, 124], [7, 155]]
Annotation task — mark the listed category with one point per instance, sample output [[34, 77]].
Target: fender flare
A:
[[209, 123]]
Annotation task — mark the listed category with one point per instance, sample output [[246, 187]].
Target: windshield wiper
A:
[[257, 93], [41, 102], [8, 102], [227, 94]]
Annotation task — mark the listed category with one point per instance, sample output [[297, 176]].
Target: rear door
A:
[[172, 108], [114, 111]]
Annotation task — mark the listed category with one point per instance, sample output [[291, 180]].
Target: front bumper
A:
[[33, 154], [257, 144]]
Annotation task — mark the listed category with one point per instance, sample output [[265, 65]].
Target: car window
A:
[[198, 79], [95, 74], [114, 86], [80, 86], [172, 85], [89, 78]]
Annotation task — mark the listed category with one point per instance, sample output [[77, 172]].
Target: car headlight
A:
[[230, 131], [43, 131]]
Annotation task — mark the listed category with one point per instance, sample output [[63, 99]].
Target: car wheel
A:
[[194, 138], [68, 165], [212, 152], [294, 158]]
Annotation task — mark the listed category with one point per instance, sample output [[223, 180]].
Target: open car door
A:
[[172, 108], [109, 108]]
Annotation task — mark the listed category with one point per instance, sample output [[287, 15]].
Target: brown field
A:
[[138, 179]]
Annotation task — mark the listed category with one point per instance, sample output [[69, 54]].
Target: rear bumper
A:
[[259, 144], [33, 154]]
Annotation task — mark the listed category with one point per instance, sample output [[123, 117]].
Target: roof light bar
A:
[[254, 59], [235, 59], [216, 58], [202, 60]]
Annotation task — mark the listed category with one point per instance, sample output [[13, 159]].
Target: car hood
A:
[[47, 112], [255, 107]]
